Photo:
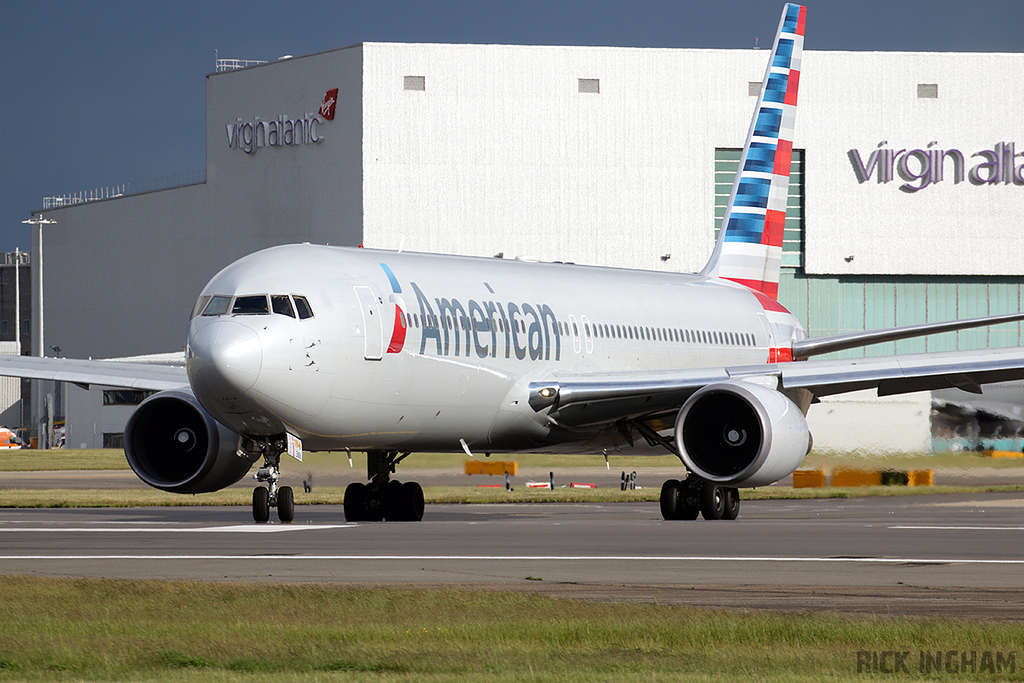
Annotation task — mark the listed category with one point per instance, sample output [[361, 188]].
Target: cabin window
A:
[[196, 310], [218, 305], [302, 306], [280, 303], [251, 305]]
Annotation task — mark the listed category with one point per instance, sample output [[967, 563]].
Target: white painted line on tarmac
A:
[[529, 558], [962, 528], [235, 529]]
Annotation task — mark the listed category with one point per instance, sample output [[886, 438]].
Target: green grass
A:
[[90, 629], [32, 460]]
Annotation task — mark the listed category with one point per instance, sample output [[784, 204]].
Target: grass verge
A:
[[90, 629]]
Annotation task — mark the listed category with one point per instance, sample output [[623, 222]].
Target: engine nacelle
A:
[[741, 434], [175, 445]]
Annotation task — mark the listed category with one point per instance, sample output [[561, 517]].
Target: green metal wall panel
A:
[[836, 304], [833, 304]]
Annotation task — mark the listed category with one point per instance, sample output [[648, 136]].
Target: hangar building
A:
[[905, 197]]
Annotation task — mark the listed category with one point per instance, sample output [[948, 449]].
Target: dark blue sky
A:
[[99, 93]]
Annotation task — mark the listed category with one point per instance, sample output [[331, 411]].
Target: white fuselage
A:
[[414, 352]]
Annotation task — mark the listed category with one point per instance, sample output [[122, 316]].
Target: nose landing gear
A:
[[264, 498]]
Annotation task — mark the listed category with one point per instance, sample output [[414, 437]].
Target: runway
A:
[[951, 555]]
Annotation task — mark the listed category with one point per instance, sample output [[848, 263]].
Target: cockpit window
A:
[[251, 305], [280, 303], [200, 305], [218, 305], [302, 306]]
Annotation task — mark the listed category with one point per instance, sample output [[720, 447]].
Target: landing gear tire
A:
[[355, 502], [403, 502], [679, 500], [712, 501], [731, 508], [261, 504], [414, 499], [394, 507], [670, 495], [285, 504]]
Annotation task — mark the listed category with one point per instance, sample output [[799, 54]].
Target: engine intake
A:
[[741, 434], [175, 445]]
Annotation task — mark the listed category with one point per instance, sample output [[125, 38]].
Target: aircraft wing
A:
[[907, 373], [103, 372], [588, 399]]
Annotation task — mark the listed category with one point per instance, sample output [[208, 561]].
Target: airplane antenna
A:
[[465, 447], [349, 451]]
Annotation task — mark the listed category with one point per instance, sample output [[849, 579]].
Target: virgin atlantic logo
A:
[[329, 104]]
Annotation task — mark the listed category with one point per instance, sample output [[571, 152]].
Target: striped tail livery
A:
[[749, 248]]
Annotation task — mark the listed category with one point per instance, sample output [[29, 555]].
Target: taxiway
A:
[[950, 554]]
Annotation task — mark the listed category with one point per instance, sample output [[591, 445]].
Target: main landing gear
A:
[[383, 498], [692, 496], [264, 498]]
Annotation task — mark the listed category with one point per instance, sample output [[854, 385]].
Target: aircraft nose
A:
[[225, 357]]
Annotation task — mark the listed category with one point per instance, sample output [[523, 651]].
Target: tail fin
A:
[[749, 247]]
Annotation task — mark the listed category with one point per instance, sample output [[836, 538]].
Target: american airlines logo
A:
[[488, 328], [919, 168], [283, 131]]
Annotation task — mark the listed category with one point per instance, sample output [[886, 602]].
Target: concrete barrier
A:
[[491, 467], [848, 476], [1003, 454], [921, 478], [804, 479]]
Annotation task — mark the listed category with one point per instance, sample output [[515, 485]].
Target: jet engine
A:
[[741, 434], [175, 445]]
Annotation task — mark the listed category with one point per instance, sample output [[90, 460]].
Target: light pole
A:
[[37, 318]]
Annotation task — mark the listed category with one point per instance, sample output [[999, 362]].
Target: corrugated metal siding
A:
[[10, 391], [727, 162], [829, 304]]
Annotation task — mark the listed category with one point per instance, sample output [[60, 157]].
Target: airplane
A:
[[326, 348]]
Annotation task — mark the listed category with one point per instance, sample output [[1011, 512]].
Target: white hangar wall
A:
[[869, 101], [501, 152]]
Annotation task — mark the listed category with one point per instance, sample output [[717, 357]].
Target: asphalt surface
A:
[[956, 555]]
